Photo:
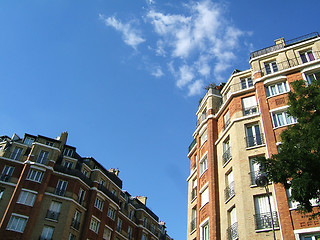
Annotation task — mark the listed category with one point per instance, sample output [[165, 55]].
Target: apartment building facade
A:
[[236, 122], [48, 191]]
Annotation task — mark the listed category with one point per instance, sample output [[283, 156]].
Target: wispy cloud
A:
[[130, 34], [157, 72], [198, 46]]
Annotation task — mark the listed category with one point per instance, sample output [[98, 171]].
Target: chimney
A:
[[115, 171], [63, 138], [142, 199], [279, 41]]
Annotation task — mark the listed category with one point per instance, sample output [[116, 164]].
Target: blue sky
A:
[[124, 78]]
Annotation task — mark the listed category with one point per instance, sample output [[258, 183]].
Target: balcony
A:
[[108, 193], [293, 62], [75, 224], [193, 193], [5, 177], [250, 110], [263, 220], [194, 142], [255, 140], [226, 155], [193, 224], [73, 172], [232, 232], [52, 215], [229, 191], [59, 192]]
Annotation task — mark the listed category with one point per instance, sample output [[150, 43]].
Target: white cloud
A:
[[185, 76], [157, 72], [130, 35], [195, 88]]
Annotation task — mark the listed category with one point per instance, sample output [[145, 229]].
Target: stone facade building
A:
[[236, 122], [48, 191]]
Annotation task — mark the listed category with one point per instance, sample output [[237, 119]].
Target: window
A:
[[35, 175], [76, 220], [194, 189], [145, 222], [129, 232], [204, 115], [49, 143], [114, 192], [246, 83], [99, 203], [81, 195], [232, 231], [111, 213], [1, 193], [107, 233], [271, 67], [42, 157], [47, 233], [226, 118], [28, 141], [226, 151], [307, 56], [94, 225], [15, 155], [204, 195], [85, 172], [282, 119], [229, 191], [119, 225], [249, 105], [68, 164], [263, 215], [276, 89], [61, 187], [6, 173], [102, 182], [255, 170], [144, 237], [312, 77], [193, 219], [71, 237], [203, 137], [27, 198], [203, 164], [54, 210], [314, 236], [205, 232], [131, 213], [68, 152], [17, 223], [254, 136]]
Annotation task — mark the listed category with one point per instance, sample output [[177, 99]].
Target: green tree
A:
[[297, 165]]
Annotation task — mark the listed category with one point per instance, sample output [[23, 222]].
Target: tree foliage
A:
[[297, 165]]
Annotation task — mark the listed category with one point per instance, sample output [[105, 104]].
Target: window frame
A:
[[17, 217], [246, 83], [271, 67], [203, 164], [35, 175], [274, 89], [277, 122], [94, 224], [27, 197]]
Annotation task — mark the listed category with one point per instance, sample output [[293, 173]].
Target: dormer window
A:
[[28, 141], [68, 152]]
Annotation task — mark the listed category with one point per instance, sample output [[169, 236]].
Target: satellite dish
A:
[[262, 180]]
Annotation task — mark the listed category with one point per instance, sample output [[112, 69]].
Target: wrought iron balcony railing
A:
[[193, 224], [5, 177], [255, 140], [227, 155], [229, 191], [59, 192], [250, 110], [232, 231], [52, 215], [263, 220]]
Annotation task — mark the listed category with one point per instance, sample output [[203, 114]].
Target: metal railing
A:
[[226, 155], [75, 223], [193, 193], [108, 193], [60, 192], [234, 88], [193, 224], [192, 144], [73, 172], [232, 231], [255, 140], [263, 220], [302, 38], [229, 191], [5, 177], [250, 110], [52, 215], [289, 63]]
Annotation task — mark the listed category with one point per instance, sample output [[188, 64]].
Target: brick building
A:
[[236, 122], [48, 191]]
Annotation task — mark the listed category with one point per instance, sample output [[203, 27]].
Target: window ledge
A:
[[227, 162], [277, 95], [193, 231], [255, 146], [228, 200], [193, 199], [286, 125], [266, 230]]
